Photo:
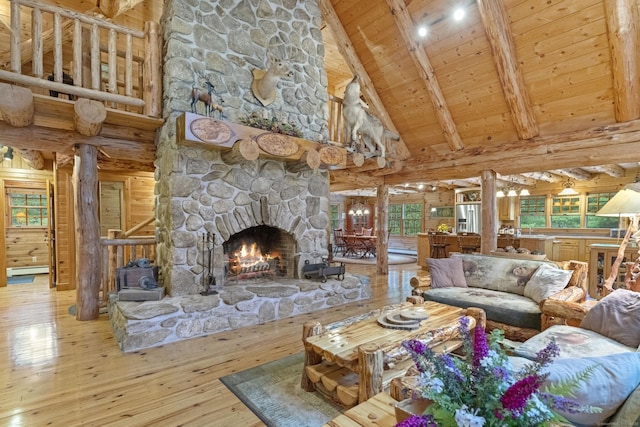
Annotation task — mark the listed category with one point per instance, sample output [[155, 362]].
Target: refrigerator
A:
[[469, 218]]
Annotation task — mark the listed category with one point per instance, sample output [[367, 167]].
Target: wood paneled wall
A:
[[138, 206], [26, 247]]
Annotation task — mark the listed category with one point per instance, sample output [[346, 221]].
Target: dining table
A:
[[360, 245]]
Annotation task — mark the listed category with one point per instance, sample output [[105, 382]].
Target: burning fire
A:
[[250, 255]]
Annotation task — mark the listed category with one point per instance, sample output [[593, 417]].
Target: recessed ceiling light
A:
[[420, 187], [458, 14], [422, 31]]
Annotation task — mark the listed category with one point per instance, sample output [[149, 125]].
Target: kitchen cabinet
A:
[[601, 259], [567, 249], [506, 208]]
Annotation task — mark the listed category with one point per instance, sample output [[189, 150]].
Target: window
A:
[[412, 219], [334, 216], [565, 212], [405, 219], [532, 212], [28, 210], [395, 220], [595, 201]]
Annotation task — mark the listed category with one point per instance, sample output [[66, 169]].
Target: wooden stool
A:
[[438, 245], [469, 242]]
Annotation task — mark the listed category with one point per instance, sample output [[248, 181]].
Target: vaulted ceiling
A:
[[537, 90], [533, 89]]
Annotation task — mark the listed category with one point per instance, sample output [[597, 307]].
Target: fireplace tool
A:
[[208, 279]]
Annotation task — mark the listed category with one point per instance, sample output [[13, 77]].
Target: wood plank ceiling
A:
[[533, 89], [515, 86]]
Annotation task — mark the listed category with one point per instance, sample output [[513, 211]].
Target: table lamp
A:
[[626, 203]]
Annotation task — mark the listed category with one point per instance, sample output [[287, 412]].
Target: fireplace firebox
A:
[[257, 252]]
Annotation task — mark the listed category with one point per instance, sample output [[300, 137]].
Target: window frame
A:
[[398, 224], [28, 209]]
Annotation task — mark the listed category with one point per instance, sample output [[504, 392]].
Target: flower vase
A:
[[408, 407]]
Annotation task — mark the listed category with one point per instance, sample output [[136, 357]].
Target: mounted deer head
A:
[[265, 81]]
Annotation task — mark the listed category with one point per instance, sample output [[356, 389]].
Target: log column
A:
[[85, 206], [489, 240], [382, 229]]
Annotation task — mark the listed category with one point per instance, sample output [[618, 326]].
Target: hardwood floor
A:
[[61, 372]]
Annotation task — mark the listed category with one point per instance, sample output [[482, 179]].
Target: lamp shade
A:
[[626, 202]]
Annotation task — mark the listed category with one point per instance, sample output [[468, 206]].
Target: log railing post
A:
[[152, 77]]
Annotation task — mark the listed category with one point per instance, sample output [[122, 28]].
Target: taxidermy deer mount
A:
[[265, 81], [206, 98]]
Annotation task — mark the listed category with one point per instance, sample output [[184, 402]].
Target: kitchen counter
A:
[[557, 247]]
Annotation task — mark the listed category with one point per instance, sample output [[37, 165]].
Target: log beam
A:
[[16, 105], [87, 232], [113, 8], [88, 116], [406, 26], [496, 25], [357, 68], [624, 45]]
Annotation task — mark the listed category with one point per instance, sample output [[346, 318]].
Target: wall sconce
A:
[[567, 189]]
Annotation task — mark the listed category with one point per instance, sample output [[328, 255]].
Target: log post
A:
[[87, 232], [151, 76], [245, 149], [88, 116], [382, 229], [310, 357], [16, 105], [371, 365]]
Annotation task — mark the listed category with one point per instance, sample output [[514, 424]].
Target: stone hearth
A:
[[139, 325]]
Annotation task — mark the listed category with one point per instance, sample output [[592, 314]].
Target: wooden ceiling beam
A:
[[517, 179], [355, 65], [406, 26], [543, 176], [575, 173], [496, 25], [611, 170], [624, 45]]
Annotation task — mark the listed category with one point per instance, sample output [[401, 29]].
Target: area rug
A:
[[393, 259], [272, 392], [19, 280]]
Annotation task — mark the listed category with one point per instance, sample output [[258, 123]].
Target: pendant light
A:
[[567, 189]]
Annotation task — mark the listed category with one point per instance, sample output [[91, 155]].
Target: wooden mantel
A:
[[244, 142]]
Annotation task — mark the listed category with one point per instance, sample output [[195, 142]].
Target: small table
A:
[[353, 362], [378, 411]]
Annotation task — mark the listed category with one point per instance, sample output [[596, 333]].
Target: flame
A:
[[249, 255]]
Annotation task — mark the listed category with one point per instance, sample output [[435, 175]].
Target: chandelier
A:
[[359, 209]]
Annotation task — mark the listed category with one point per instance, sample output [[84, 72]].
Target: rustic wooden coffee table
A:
[[355, 361]]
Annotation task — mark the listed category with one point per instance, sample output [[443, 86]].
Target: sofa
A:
[[607, 335], [510, 290]]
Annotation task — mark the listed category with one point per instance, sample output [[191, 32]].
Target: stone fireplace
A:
[[200, 192]]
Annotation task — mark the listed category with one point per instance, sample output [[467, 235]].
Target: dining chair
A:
[[339, 245]]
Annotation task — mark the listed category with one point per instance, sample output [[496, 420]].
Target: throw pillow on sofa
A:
[[609, 385], [546, 281], [616, 316], [446, 272]]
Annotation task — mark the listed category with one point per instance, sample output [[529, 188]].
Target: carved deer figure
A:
[[206, 98], [265, 81]]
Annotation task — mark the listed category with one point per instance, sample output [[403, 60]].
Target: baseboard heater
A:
[[21, 271]]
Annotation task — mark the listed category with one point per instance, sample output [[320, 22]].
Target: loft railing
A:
[[118, 249], [335, 122], [106, 62]]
